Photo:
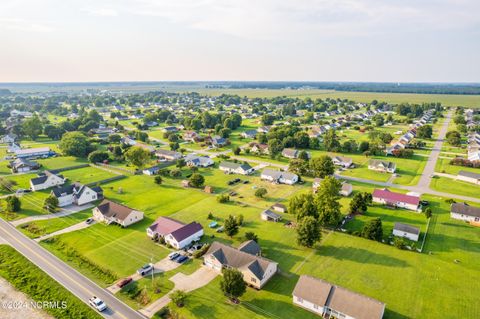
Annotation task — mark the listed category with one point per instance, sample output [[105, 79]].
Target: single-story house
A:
[[268, 215], [185, 235], [382, 166], [21, 165], [279, 176], [256, 270], [151, 170], [292, 153], [316, 183], [237, 168], [8, 139], [111, 212], [469, 177], [331, 301], [170, 129], [198, 161], [346, 189], [218, 141], [34, 152], [46, 180], [13, 147], [249, 134], [168, 155], [259, 148], [406, 231], [279, 208], [389, 198], [163, 226], [345, 162], [190, 136], [76, 194], [464, 212]]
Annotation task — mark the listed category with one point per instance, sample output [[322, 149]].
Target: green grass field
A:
[[87, 175], [445, 99], [448, 185]]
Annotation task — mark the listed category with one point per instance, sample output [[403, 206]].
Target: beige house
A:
[[111, 212], [331, 301], [256, 270]]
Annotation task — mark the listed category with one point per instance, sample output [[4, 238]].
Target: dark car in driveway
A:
[[181, 259]]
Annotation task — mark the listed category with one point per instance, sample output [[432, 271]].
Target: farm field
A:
[[87, 175], [445, 99]]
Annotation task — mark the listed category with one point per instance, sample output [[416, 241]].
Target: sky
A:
[[263, 40]]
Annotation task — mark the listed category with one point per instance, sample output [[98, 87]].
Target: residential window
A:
[[253, 279], [299, 299], [315, 306]]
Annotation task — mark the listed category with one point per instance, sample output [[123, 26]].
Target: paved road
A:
[[424, 182], [79, 285]]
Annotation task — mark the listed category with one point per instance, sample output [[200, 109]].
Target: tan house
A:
[[331, 301], [256, 270], [111, 212]]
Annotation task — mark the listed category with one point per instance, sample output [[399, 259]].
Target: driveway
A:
[[68, 210], [163, 265], [75, 227], [187, 283]]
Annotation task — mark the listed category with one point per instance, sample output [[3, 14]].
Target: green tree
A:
[[303, 205], [50, 203], [331, 141], [360, 202], [98, 156], [223, 198], [373, 230], [178, 297], [275, 146], [428, 212], [454, 138], [197, 180], [13, 204], [181, 163], [231, 226], [32, 127], [327, 201], [114, 138], [237, 150], [137, 156], [232, 283], [260, 192], [308, 231], [74, 144], [322, 166], [424, 131], [250, 235], [158, 180]]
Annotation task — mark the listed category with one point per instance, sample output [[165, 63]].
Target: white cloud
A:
[[274, 19], [102, 12]]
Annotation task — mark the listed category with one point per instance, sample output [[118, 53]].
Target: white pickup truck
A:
[[97, 303]]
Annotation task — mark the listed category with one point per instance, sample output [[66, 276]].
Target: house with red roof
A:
[[174, 232], [392, 199]]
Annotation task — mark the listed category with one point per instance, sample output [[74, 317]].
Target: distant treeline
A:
[[424, 88], [5, 92]]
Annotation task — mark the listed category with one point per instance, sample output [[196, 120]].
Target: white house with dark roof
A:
[[198, 161], [257, 271], [466, 213], [77, 194], [168, 155], [280, 177], [331, 301], [46, 180], [33, 152], [406, 231], [342, 161], [249, 134], [393, 199], [382, 166], [236, 168], [185, 235], [22, 165], [470, 177]]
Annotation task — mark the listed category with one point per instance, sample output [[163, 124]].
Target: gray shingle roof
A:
[[461, 208], [406, 228]]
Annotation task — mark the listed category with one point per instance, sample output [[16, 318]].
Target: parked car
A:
[[424, 203], [122, 283], [246, 182], [220, 229], [173, 256], [145, 269], [89, 221], [182, 259], [97, 303]]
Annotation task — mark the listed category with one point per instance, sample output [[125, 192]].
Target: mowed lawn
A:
[[87, 175], [412, 285], [449, 185], [443, 166]]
